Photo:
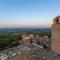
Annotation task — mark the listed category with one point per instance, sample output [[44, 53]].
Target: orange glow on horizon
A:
[[33, 24]]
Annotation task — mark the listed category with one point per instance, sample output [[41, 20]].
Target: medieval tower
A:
[[56, 35]]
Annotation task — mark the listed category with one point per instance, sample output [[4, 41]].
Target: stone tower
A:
[[55, 43]]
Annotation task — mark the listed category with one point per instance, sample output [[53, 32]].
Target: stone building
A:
[[55, 43]]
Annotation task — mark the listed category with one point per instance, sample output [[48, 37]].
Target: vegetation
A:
[[41, 32], [10, 38]]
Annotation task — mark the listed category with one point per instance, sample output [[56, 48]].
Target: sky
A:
[[28, 13]]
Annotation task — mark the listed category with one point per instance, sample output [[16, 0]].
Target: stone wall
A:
[[55, 45]]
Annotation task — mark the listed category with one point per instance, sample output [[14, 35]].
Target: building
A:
[[55, 43]]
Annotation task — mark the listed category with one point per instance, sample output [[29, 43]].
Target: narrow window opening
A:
[[57, 21]]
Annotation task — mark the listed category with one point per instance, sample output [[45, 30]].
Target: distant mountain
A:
[[24, 28]]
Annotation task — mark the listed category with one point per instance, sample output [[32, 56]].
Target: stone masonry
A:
[[55, 45]]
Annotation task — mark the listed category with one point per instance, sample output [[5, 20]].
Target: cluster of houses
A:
[[41, 40]]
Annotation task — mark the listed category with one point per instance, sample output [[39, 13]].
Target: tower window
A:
[[57, 21]]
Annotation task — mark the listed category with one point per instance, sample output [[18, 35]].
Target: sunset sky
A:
[[28, 13]]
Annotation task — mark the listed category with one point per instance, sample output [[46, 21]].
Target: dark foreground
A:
[[28, 51]]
